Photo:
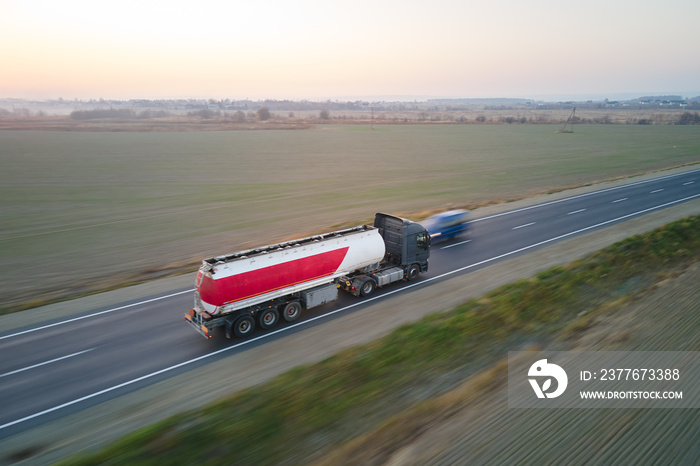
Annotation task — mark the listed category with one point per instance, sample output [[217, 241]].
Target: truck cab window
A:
[[422, 240]]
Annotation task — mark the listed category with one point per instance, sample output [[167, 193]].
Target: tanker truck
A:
[[264, 285]]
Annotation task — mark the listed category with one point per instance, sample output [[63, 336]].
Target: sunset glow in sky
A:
[[318, 49]]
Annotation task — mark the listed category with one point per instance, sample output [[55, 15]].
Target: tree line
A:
[[263, 114]]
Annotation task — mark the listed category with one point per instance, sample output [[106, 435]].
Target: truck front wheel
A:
[[413, 272], [268, 318], [292, 311], [243, 326]]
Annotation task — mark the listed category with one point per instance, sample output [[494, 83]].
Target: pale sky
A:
[[338, 49]]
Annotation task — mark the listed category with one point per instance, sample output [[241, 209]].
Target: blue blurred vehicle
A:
[[447, 225]]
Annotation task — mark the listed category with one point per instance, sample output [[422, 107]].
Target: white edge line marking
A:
[[614, 188], [523, 226], [95, 314], [576, 211], [365, 301], [620, 200], [475, 220], [45, 363], [456, 244]]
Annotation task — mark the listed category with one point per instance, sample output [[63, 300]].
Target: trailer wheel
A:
[[292, 311], [367, 287], [413, 272], [243, 326], [268, 318]]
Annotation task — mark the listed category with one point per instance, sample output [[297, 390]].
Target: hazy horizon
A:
[[385, 98], [359, 50]]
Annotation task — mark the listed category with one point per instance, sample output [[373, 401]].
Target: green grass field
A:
[[85, 210]]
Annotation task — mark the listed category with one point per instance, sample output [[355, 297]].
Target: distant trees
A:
[[266, 114], [238, 117], [688, 118], [146, 114], [113, 113], [118, 114], [263, 114], [205, 114]]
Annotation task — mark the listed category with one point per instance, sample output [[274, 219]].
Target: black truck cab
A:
[[407, 243]]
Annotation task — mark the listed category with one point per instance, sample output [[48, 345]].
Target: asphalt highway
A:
[[60, 367]]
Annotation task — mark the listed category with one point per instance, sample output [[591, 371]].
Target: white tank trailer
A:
[[261, 286]]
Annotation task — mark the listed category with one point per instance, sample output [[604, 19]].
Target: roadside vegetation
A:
[[310, 411]]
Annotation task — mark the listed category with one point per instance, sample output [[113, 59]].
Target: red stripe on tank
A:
[[267, 279]]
